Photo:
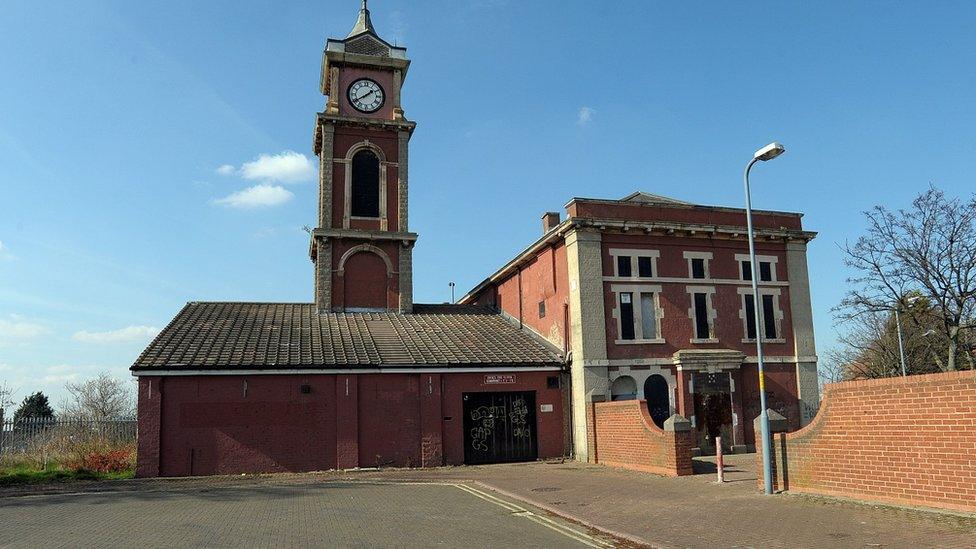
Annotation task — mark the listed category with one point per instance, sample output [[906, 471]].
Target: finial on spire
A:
[[363, 23]]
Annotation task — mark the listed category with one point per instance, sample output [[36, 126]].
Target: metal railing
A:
[[29, 434]]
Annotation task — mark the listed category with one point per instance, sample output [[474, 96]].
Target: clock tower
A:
[[362, 248]]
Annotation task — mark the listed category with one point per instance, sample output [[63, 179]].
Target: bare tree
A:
[[102, 397], [6, 400], [869, 348], [928, 249]]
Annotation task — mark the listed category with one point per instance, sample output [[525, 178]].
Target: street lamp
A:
[[766, 153], [901, 347]]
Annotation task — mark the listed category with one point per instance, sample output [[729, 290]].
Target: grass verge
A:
[[26, 475]]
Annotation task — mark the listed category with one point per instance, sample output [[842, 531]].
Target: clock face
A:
[[366, 95]]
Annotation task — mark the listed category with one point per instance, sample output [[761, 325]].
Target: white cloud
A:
[[5, 252], [286, 167], [257, 196], [122, 335], [15, 327], [225, 169], [585, 116]]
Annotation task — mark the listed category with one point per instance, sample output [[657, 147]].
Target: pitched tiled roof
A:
[[220, 336]]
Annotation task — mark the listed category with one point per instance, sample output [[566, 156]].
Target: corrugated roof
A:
[[222, 335]]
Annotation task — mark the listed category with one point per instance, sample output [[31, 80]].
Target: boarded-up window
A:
[[365, 199], [648, 316]]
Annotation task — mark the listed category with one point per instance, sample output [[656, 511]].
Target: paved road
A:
[[285, 514], [335, 507]]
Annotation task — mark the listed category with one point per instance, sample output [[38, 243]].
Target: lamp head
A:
[[770, 151]]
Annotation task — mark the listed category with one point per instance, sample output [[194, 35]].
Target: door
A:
[[713, 410], [499, 427], [656, 393]]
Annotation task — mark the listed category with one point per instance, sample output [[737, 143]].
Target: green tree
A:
[[35, 406]]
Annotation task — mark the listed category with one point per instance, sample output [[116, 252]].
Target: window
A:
[[769, 316], [634, 263], [626, 316], [701, 316], [698, 264], [623, 265], [542, 309], [767, 267], [648, 316], [750, 317], [623, 388], [365, 199], [637, 312], [644, 269]]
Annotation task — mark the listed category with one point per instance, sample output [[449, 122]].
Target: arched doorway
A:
[[656, 393], [623, 388]]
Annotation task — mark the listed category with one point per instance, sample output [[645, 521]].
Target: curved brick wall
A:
[[908, 441], [625, 436]]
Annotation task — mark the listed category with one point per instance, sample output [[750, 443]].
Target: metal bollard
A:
[[719, 463]]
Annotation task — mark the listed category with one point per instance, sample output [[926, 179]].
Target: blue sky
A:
[[116, 118]]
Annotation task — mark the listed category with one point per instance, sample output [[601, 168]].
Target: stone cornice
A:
[[358, 122], [700, 230]]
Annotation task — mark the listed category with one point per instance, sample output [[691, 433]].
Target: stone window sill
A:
[[657, 341]]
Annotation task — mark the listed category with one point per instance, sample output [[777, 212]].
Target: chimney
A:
[[549, 220]]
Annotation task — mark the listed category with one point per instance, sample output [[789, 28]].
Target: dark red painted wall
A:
[[544, 279], [202, 425]]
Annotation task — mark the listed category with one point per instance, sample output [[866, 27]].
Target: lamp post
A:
[[901, 346], [766, 153]]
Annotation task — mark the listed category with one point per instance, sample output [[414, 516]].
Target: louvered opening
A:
[[367, 46]]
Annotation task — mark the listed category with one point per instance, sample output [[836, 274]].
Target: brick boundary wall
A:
[[905, 441], [626, 437]]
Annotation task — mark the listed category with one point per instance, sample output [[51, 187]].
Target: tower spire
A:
[[363, 23]]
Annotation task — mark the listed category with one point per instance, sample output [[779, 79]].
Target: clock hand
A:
[[365, 95]]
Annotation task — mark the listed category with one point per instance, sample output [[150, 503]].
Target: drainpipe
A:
[[520, 296]]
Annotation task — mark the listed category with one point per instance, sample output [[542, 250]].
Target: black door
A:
[[657, 397], [499, 427]]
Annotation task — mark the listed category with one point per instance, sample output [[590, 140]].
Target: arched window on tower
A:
[[365, 199]]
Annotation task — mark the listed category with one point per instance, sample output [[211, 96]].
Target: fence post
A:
[[719, 463]]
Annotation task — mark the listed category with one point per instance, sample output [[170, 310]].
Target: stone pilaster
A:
[[325, 176], [588, 330], [323, 274], [808, 385], [406, 278], [402, 191]]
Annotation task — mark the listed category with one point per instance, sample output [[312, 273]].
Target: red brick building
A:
[[362, 376], [650, 298]]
